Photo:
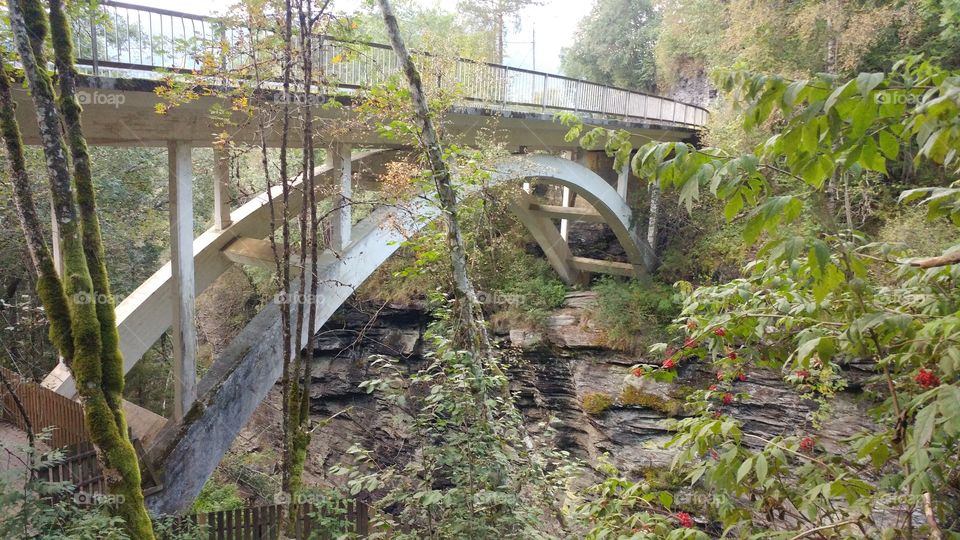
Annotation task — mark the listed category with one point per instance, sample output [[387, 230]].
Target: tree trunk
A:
[[94, 357], [475, 332]]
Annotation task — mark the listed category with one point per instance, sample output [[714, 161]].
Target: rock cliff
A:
[[557, 365]]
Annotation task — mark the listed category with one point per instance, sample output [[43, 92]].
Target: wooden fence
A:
[[46, 410], [263, 522], [63, 417]]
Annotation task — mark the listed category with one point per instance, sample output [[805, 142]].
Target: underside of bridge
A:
[[210, 412]]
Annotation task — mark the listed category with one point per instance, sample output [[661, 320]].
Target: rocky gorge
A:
[[555, 367]]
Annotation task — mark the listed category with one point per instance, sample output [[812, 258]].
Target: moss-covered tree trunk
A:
[[94, 357]]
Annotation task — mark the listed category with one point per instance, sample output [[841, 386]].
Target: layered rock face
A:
[[556, 366]]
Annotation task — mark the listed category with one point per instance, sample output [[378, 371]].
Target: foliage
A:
[[329, 517], [478, 476], [620, 508], [818, 297], [630, 312], [28, 511], [495, 15], [596, 403], [627, 26], [217, 495]]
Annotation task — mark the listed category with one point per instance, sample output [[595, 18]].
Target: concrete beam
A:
[[548, 238], [598, 266], [221, 188], [257, 252], [560, 212], [184, 329], [342, 216]]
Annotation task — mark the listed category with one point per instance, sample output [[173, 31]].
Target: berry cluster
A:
[[685, 520], [927, 379]]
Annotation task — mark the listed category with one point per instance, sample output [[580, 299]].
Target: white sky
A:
[[554, 23]]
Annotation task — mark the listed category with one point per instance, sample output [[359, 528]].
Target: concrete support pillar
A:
[[183, 330], [342, 222], [221, 188], [623, 177], [566, 200]]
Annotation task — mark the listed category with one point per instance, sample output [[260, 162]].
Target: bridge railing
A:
[[120, 36]]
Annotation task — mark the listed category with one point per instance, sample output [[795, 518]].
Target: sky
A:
[[553, 22]]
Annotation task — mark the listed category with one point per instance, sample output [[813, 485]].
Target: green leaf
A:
[[889, 145], [761, 468], [666, 499], [923, 429], [744, 469], [868, 81]]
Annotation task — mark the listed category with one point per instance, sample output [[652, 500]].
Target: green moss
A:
[[632, 396], [595, 403]]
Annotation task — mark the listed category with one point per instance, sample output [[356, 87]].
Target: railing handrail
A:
[[599, 92]]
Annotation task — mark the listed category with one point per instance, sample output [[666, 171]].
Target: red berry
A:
[[741, 377], [689, 343], [720, 332], [714, 454], [806, 444], [717, 414], [927, 379], [668, 363], [685, 520], [803, 374], [637, 372], [719, 375], [712, 388], [732, 355], [727, 398]]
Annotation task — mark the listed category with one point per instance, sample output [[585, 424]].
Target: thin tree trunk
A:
[[285, 320], [471, 314], [49, 287]]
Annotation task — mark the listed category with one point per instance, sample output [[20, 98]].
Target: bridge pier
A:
[[221, 188], [623, 178], [183, 330], [338, 157]]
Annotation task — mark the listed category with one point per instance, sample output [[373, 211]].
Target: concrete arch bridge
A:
[[119, 55]]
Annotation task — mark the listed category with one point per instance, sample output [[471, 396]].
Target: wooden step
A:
[[598, 266], [567, 212]]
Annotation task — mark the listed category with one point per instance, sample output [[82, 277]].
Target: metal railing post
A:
[[93, 47], [543, 97]]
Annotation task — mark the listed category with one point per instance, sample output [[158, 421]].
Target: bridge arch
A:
[[248, 368]]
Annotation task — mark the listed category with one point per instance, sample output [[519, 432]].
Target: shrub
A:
[[216, 496], [632, 314], [595, 403]]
